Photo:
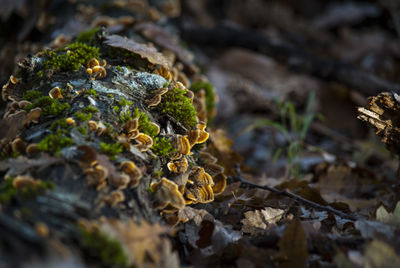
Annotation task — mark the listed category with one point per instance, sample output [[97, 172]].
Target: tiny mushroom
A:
[[134, 173], [199, 194], [55, 93], [32, 149], [131, 126], [18, 145], [145, 142], [96, 175], [115, 197], [153, 101], [33, 116], [166, 193], [182, 144], [70, 121], [92, 125], [179, 166], [24, 180], [164, 72], [121, 181], [14, 80], [22, 104], [219, 183], [200, 177]]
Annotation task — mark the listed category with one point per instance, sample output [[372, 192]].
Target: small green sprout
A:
[[83, 117], [112, 150]]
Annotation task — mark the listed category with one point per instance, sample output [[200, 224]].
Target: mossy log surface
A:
[[81, 144]]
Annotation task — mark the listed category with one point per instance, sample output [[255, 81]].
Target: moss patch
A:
[[176, 104], [107, 251], [162, 146], [145, 125], [70, 58], [112, 150], [55, 142], [8, 192], [87, 37], [210, 95], [83, 117], [48, 105]]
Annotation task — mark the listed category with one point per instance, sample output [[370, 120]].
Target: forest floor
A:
[[309, 183]]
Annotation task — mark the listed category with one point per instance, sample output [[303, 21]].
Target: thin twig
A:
[[246, 183]]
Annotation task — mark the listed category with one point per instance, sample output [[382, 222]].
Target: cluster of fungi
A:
[[112, 143]]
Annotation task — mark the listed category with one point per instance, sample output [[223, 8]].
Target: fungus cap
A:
[[55, 93], [179, 166], [219, 183], [166, 193]]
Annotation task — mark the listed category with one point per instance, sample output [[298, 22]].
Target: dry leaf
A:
[[390, 218], [145, 51], [258, 220], [380, 254], [293, 246], [139, 240], [164, 39]]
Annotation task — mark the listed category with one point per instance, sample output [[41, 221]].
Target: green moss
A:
[[210, 95], [90, 92], [145, 125], [111, 96], [48, 105], [162, 146], [118, 68], [83, 131], [90, 109], [87, 37], [59, 124], [70, 58], [115, 108], [125, 116], [112, 150], [124, 102], [32, 94], [55, 142], [83, 117], [158, 173], [8, 192], [177, 105], [107, 251]]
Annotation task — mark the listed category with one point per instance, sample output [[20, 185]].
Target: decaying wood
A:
[[383, 114]]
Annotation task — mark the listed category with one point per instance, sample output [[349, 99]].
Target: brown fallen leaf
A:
[[380, 254], [258, 220], [392, 218], [293, 246], [164, 39], [140, 240], [145, 51]]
